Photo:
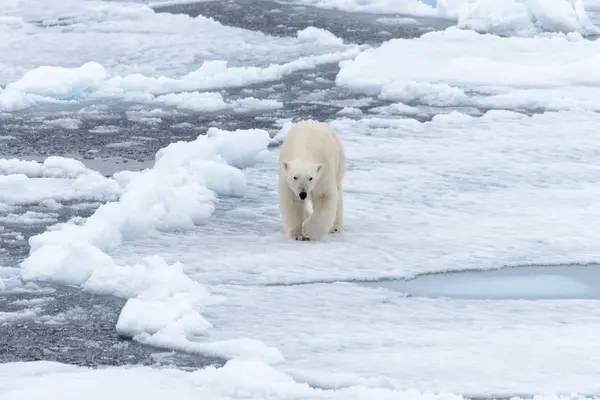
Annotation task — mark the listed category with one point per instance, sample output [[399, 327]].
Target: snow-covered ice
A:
[[132, 38], [521, 17], [60, 85], [139, 54], [524, 186], [464, 68], [211, 101], [237, 380]]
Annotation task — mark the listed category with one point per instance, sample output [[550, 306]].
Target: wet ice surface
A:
[[197, 276], [523, 282]]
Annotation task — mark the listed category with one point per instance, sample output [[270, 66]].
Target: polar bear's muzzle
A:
[[302, 195]]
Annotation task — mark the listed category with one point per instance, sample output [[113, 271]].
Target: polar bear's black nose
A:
[[302, 195]]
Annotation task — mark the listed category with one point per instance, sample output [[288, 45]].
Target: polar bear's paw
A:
[[337, 228], [297, 234], [301, 238]]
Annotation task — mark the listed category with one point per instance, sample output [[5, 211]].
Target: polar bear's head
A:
[[301, 176]]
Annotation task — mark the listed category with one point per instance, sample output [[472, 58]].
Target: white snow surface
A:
[[236, 380], [525, 187], [463, 68]]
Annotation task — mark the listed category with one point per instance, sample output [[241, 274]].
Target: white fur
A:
[[313, 154]]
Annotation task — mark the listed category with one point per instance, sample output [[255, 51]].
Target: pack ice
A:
[[469, 148]]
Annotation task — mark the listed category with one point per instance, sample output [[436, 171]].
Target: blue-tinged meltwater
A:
[[517, 283]]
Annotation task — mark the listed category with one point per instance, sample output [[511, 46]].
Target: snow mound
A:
[[285, 128], [548, 73], [519, 17], [250, 145], [217, 74], [57, 178], [59, 81], [318, 35], [91, 81], [51, 167], [177, 193], [505, 17], [212, 101]]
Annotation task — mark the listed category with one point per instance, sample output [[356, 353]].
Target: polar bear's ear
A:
[[285, 165], [319, 167]]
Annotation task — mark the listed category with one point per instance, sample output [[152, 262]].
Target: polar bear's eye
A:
[[310, 179], [295, 178]]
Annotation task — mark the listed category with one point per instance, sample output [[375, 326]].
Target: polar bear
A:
[[312, 163]]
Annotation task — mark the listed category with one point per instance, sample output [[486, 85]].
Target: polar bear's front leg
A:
[[338, 223], [293, 212], [324, 212]]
